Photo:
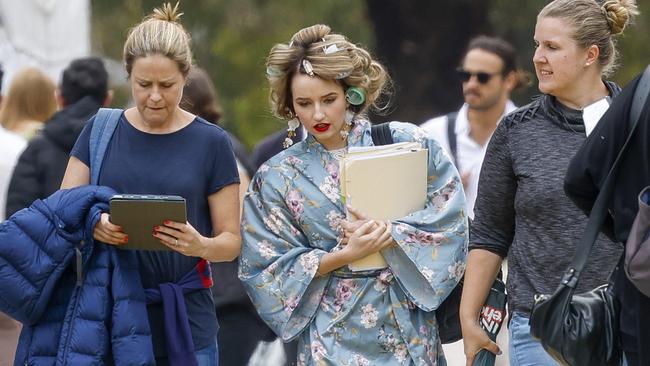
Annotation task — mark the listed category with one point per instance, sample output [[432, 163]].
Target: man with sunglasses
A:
[[488, 74]]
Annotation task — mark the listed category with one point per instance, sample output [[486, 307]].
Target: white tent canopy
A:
[[47, 34]]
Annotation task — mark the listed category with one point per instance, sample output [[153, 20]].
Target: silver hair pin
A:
[[309, 69], [333, 48], [343, 75]]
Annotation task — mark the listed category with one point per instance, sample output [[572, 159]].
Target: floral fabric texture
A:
[[292, 217]]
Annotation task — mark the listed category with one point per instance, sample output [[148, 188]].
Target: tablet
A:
[[137, 214]]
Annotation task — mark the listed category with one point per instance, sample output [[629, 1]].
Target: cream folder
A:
[[385, 182]]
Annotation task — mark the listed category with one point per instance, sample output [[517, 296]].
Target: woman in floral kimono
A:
[[297, 243]]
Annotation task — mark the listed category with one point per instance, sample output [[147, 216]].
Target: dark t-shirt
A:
[[193, 162]]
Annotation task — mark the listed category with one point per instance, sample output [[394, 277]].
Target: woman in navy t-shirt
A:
[[158, 148]]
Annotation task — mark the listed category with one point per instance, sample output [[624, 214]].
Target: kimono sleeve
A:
[[277, 266], [430, 260]]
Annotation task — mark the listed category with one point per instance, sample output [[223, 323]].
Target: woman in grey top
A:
[[521, 210]]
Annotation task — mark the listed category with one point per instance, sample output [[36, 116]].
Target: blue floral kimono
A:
[[291, 218]]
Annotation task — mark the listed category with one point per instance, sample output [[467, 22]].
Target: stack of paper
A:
[[385, 182]]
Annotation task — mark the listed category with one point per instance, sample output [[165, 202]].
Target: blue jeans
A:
[[208, 356], [524, 349]]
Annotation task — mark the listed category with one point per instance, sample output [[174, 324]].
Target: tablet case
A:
[[138, 214]]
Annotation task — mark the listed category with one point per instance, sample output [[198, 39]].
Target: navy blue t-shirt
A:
[[193, 162]]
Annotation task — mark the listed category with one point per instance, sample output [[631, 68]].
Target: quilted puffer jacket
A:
[[80, 302]]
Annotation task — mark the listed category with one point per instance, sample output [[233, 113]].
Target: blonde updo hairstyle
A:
[[160, 33], [345, 62], [595, 24]]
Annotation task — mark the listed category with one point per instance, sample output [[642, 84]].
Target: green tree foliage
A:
[[420, 41], [231, 39]]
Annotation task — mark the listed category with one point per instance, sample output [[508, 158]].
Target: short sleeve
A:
[[81, 149], [224, 168]]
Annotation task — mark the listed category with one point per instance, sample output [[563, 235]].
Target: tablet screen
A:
[[138, 214]]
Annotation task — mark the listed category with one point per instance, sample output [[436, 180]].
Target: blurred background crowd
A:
[[421, 42]]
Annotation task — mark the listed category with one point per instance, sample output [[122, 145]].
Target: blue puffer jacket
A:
[[94, 315]]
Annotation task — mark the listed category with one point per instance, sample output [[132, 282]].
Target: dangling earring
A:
[[292, 125], [349, 118]]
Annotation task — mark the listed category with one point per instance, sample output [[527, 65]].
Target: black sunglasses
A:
[[482, 77]]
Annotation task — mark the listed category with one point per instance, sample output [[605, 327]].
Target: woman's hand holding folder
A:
[[371, 237]]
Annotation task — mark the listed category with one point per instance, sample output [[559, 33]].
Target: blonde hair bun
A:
[[619, 14], [306, 36]]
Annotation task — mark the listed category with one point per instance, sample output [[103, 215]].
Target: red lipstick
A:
[[321, 127]]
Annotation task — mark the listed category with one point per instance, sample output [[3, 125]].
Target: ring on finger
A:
[[176, 242]]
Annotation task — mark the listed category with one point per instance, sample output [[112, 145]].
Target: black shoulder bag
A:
[[447, 313], [582, 329]]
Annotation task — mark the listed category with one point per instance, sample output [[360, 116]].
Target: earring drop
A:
[[349, 118], [292, 125]]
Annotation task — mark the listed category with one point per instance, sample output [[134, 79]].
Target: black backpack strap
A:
[[381, 134], [451, 137]]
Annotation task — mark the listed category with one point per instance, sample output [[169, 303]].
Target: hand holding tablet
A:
[[139, 214]]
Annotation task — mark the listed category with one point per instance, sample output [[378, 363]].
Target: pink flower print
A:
[[292, 160], [369, 316], [291, 304], [424, 330], [457, 270], [334, 218], [360, 360], [333, 171], [440, 198], [272, 268], [317, 351], [295, 202], [425, 238], [344, 291], [383, 280]]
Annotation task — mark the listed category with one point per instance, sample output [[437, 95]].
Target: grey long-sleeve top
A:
[[521, 210]]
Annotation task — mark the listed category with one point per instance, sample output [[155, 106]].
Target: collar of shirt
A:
[[462, 121]]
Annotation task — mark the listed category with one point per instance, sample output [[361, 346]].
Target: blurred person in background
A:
[[240, 328], [11, 146], [521, 211], [158, 148], [29, 102], [200, 97], [488, 73], [40, 168]]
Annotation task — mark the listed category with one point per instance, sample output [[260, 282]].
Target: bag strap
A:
[[451, 136], [381, 134], [101, 133], [599, 210]]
